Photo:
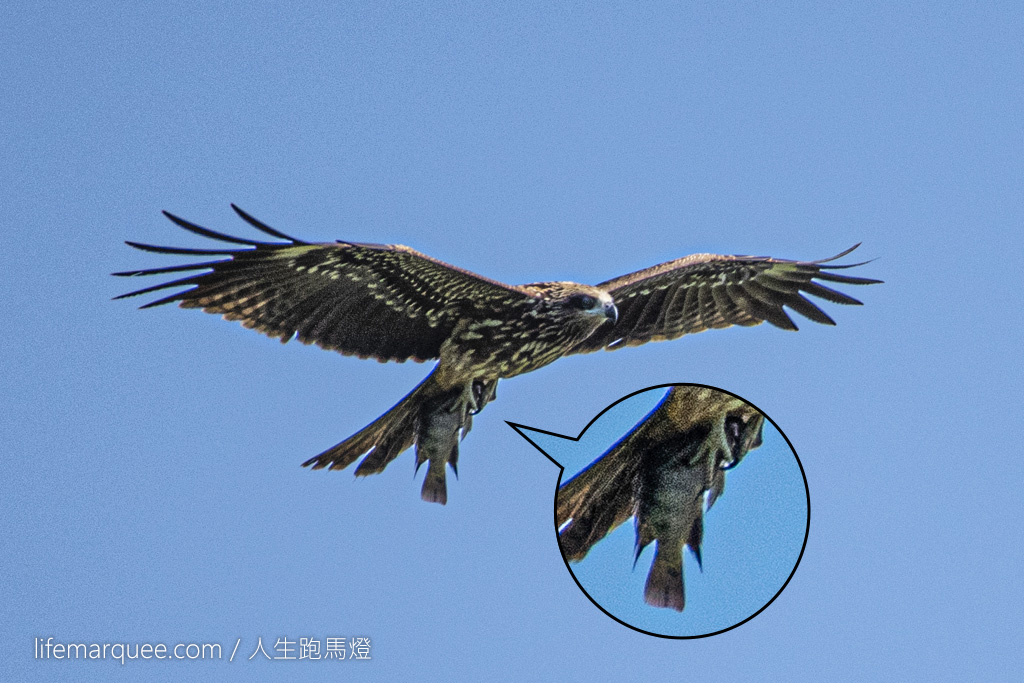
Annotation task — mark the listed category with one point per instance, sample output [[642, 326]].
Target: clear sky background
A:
[[150, 486], [753, 535]]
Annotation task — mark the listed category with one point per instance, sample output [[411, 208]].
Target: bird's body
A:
[[390, 302]]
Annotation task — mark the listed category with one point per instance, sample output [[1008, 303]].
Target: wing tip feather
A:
[[263, 227]]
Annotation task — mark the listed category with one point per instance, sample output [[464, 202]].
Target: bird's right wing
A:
[[387, 302]]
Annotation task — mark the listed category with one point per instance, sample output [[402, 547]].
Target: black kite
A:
[[390, 302]]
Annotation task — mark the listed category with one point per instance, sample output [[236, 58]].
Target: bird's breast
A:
[[499, 348]]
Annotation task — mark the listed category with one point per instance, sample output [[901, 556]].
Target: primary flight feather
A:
[[390, 302]]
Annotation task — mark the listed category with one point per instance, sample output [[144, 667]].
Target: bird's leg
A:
[[740, 433], [483, 392]]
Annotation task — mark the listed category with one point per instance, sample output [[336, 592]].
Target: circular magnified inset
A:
[[682, 510]]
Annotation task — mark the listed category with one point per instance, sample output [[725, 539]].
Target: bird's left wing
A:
[[705, 291], [374, 301]]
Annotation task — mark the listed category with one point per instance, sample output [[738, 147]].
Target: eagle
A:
[[393, 303], [665, 473]]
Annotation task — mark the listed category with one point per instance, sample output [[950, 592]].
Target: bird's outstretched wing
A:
[[705, 291], [387, 302]]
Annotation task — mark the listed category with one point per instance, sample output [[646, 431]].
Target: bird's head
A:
[[580, 301], [595, 302]]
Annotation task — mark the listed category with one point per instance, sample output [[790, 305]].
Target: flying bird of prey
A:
[[390, 302], [664, 473]]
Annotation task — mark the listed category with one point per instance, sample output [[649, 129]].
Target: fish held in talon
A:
[[666, 473]]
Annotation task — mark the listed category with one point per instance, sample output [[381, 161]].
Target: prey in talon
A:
[[665, 474]]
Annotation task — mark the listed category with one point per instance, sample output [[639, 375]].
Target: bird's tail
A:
[[592, 503], [431, 417], [664, 586]]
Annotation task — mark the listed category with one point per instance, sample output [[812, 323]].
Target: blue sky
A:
[[150, 484], [752, 542]]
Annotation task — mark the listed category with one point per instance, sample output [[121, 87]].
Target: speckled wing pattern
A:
[[706, 291], [390, 302], [387, 302]]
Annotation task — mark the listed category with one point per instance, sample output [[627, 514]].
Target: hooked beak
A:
[[610, 311]]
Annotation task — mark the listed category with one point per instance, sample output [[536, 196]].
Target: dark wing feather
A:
[[706, 291], [595, 501], [373, 301], [602, 496]]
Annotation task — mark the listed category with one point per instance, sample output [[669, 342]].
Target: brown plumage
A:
[[390, 302], [664, 473]]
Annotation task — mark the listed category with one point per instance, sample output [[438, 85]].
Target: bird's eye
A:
[[583, 302]]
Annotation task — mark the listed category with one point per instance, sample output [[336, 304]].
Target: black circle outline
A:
[[561, 472]]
